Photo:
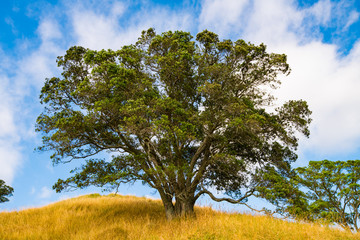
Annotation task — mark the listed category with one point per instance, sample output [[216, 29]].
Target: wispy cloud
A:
[[353, 17], [10, 22], [320, 12], [223, 16], [19, 77], [10, 156], [123, 25]]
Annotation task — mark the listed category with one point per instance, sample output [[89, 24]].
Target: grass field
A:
[[127, 217]]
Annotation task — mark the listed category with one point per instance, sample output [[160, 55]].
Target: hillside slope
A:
[[126, 217]]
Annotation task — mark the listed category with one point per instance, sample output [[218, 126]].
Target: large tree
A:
[[5, 191], [184, 116]]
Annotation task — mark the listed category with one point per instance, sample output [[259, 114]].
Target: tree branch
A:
[[230, 200]]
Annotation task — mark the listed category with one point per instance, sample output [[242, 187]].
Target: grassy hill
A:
[[126, 217]]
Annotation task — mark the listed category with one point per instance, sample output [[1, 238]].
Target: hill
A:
[[127, 217]]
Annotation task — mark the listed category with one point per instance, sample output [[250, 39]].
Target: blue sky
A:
[[321, 39]]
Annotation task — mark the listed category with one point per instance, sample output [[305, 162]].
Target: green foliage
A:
[[325, 191], [182, 116], [333, 191], [5, 191], [283, 191]]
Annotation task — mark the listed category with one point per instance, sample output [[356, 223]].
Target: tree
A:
[[328, 191], [332, 190], [183, 116], [5, 191], [283, 191]]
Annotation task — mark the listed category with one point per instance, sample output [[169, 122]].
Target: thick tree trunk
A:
[[168, 206], [183, 207], [169, 211]]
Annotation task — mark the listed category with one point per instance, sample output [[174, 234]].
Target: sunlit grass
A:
[[127, 217]]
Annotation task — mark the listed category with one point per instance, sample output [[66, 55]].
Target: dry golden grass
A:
[[126, 217]]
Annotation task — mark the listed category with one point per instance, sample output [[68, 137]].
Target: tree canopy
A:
[[326, 191], [332, 190], [5, 191], [184, 116]]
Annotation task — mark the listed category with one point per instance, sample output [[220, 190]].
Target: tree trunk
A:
[[168, 206], [169, 211], [183, 207]]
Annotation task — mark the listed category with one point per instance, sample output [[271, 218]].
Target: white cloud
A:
[[330, 85], [10, 156], [40, 63], [99, 31], [49, 29], [353, 17], [321, 11], [9, 161], [17, 83], [95, 31], [118, 9], [271, 22], [339, 15], [221, 15], [7, 126]]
